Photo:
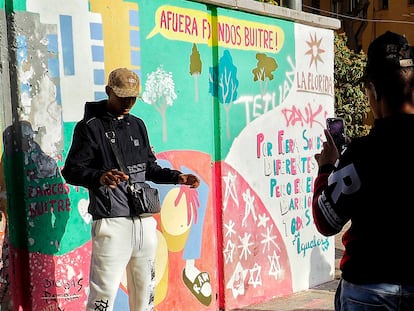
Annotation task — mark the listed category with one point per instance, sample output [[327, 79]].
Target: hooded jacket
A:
[[372, 185], [91, 155]]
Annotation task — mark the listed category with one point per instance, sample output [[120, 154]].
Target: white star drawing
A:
[[275, 269], [269, 239], [255, 275], [262, 220], [236, 282], [245, 245], [230, 191], [249, 207], [230, 228], [228, 251]]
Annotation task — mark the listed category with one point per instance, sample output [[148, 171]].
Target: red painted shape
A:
[[261, 270]]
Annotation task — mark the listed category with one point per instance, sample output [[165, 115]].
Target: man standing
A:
[[371, 185], [121, 239]]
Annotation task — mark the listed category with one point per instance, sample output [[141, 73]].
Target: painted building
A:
[[234, 92]]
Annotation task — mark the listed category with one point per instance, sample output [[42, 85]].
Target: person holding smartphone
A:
[[370, 184]]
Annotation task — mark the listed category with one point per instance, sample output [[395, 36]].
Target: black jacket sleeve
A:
[[161, 175], [80, 165]]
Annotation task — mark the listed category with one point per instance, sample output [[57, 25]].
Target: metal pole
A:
[[295, 4]]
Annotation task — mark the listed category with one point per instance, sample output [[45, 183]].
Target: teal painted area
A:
[[189, 122], [14, 5], [211, 121]]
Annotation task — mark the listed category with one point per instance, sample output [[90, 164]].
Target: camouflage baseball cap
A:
[[124, 82]]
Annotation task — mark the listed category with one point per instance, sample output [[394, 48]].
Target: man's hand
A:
[[189, 179], [329, 153], [112, 178]]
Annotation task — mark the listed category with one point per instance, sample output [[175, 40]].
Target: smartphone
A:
[[336, 127]]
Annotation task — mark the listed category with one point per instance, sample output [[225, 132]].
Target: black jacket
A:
[[373, 186], [91, 155]]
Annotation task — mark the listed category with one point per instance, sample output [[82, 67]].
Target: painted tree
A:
[[224, 84], [160, 92], [195, 68], [264, 71]]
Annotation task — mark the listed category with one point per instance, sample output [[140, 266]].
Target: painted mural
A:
[[235, 98]]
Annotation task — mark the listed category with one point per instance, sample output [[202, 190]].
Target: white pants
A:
[[120, 244]]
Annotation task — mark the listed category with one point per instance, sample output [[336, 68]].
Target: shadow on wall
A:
[[320, 269], [38, 211]]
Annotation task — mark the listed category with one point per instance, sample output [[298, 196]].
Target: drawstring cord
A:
[[133, 232], [141, 233]]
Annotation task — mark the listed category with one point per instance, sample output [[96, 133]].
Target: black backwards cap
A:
[[389, 51]]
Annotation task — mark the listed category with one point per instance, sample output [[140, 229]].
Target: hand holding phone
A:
[[336, 127]]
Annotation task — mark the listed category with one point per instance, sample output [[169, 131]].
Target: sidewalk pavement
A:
[[318, 298]]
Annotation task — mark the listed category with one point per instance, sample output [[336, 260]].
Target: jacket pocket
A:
[[137, 172], [96, 227], [104, 200]]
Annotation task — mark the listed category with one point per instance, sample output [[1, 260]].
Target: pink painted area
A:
[[255, 260], [60, 282]]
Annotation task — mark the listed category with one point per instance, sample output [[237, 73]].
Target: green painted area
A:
[[188, 121], [48, 209], [217, 123], [14, 5], [41, 215], [13, 173]]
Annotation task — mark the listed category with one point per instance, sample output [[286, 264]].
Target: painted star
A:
[[314, 50], [262, 220], [255, 276], [230, 228], [269, 239], [275, 268], [249, 207], [228, 251], [245, 245], [230, 191], [236, 282]]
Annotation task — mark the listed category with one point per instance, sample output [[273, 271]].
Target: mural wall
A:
[[238, 99]]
